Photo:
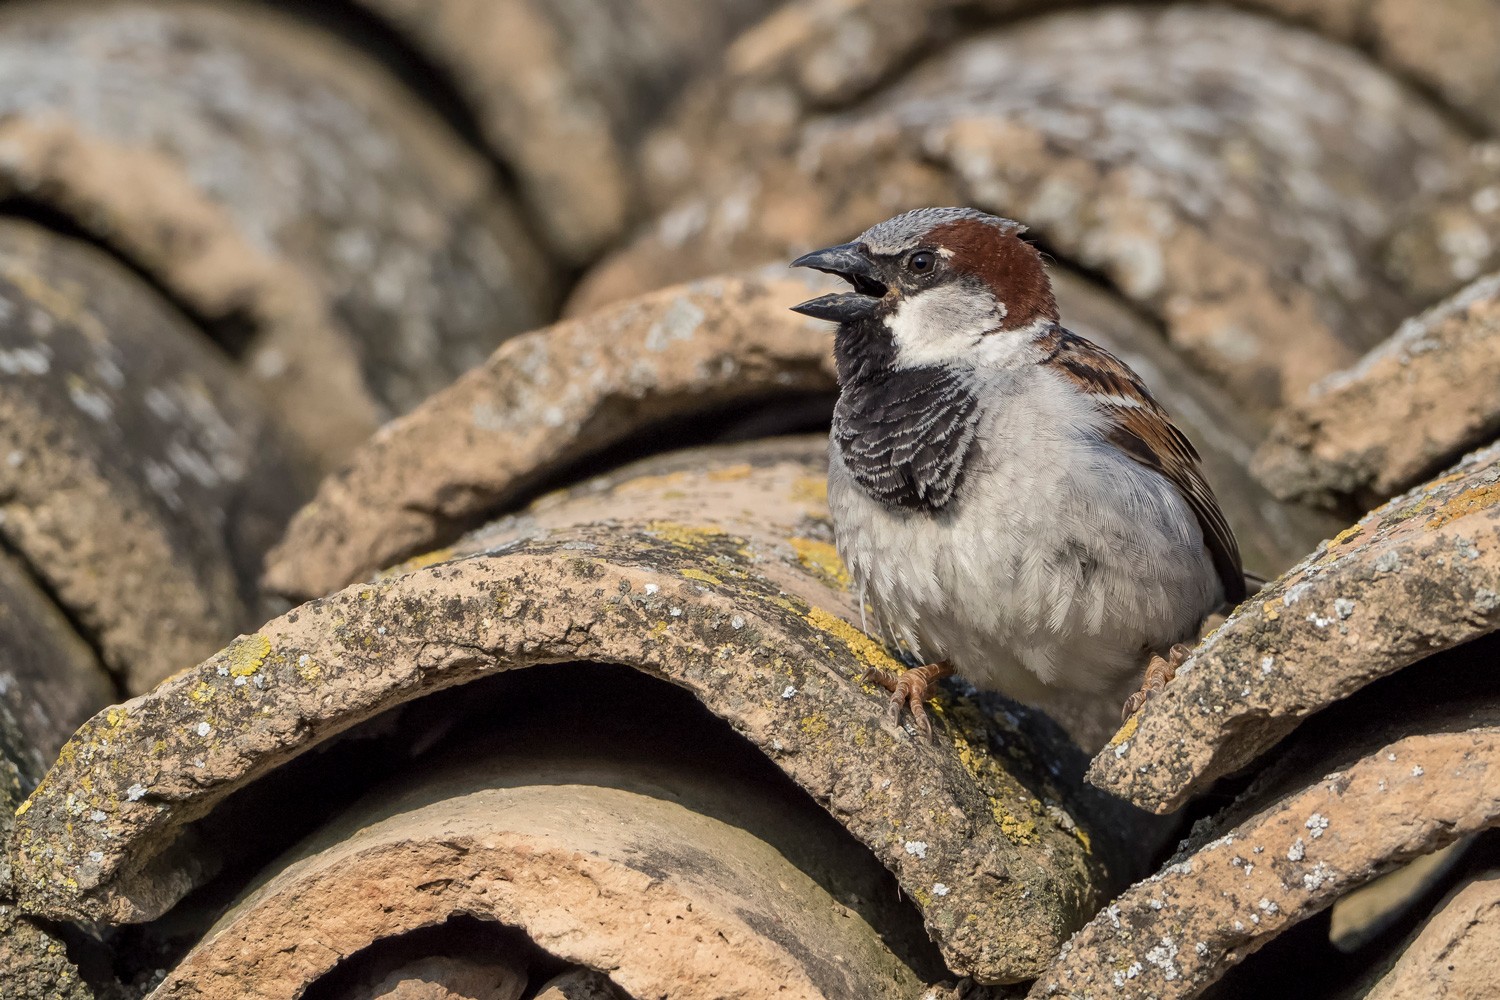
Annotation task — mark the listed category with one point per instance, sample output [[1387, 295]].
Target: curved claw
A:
[[1159, 673], [909, 692], [880, 677]]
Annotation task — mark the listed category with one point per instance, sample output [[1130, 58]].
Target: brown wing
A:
[[1141, 429]]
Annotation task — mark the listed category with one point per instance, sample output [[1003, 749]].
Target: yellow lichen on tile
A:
[[1346, 534], [1468, 502], [1340, 540], [813, 725], [788, 604], [702, 577], [247, 654], [988, 774], [1016, 830], [822, 560], [731, 473], [810, 489], [1451, 477], [684, 535], [416, 562], [307, 668], [1126, 731], [866, 650]]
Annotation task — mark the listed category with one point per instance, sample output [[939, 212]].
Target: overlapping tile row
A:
[[1167, 149], [277, 184], [307, 242], [716, 575]]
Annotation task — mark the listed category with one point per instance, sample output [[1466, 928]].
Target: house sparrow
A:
[[1010, 500]]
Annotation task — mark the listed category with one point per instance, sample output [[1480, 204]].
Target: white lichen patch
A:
[[680, 321], [1317, 823], [917, 848], [1314, 879], [1295, 593], [1164, 957]]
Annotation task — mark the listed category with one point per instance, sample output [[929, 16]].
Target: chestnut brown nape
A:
[[1008, 264]]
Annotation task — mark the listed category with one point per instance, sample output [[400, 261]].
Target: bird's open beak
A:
[[851, 263]]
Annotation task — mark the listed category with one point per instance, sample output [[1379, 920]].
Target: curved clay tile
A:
[[278, 185], [717, 577], [1417, 576]]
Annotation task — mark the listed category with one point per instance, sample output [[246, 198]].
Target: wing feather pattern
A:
[[1142, 429]]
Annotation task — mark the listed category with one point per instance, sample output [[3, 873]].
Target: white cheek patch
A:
[[942, 325]]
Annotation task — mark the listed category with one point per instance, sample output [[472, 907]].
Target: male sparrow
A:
[[1011, 501]]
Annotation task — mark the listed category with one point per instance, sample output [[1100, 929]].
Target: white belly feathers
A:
[[998, 586]]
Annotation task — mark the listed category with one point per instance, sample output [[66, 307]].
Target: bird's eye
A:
[[921, 262]]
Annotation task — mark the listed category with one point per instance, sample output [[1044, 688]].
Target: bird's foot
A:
[[1159, 673], [910, 691]]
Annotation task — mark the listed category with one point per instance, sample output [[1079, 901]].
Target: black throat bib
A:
[[905, 434]]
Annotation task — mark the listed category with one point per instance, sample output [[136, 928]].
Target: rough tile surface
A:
[[1408, 408], [140, 479], [745, 609], [1416, 576], [276, 183], [1425, 779]]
